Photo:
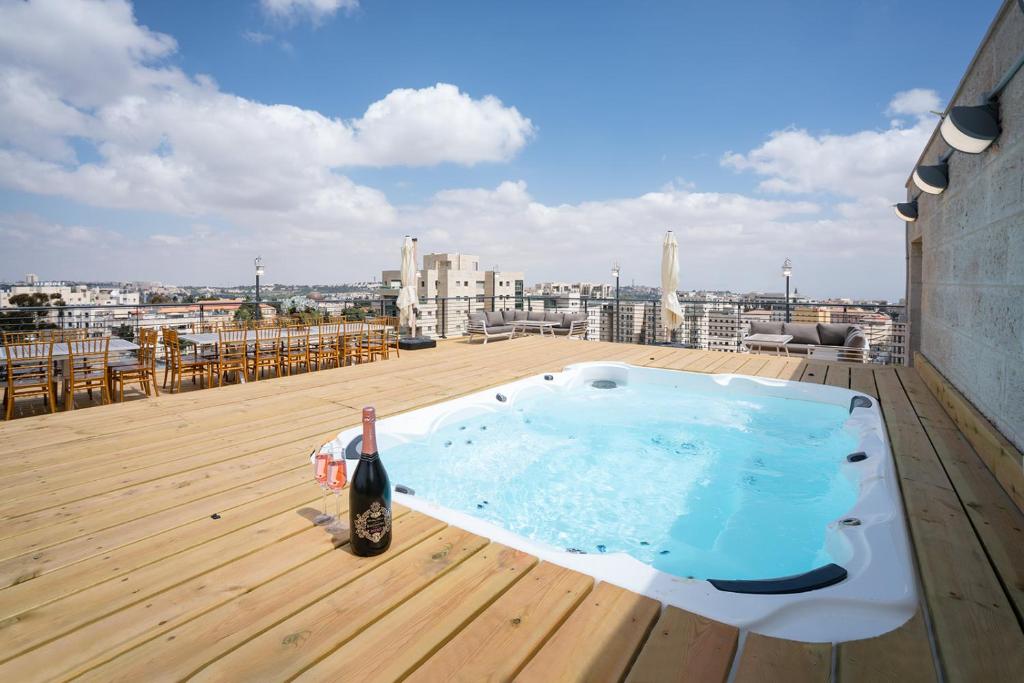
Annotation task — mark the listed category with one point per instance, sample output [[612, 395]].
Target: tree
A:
[[125, 331], [30, 320], [159, 298]]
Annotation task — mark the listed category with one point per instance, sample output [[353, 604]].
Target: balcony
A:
[[171, 537]]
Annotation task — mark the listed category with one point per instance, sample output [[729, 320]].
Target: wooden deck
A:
[[169, 538]]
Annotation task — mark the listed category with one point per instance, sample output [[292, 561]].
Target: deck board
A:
[[120, 573]]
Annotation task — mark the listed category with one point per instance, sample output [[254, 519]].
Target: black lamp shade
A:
[[971, 129], [907, 211], [932, 179]]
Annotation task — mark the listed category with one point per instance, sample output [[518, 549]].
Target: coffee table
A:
[[773, 341], [524, 325]]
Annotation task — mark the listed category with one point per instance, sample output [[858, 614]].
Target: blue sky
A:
[[623, 99]]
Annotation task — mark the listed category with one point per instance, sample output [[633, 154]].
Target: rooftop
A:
[[173, 535]]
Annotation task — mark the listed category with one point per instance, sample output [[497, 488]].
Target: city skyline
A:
[[177, 143]]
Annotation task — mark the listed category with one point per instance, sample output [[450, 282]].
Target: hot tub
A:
[[766, 504]]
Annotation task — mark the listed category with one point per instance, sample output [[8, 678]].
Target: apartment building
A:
[[587, 290], [450, 286]]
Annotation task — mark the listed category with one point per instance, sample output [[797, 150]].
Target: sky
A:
[[176, 141]]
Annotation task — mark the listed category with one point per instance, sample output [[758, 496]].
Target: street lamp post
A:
[[787, 270], [615, 324], [259, 301]]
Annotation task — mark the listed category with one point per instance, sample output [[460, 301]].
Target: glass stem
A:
[[325, 501]]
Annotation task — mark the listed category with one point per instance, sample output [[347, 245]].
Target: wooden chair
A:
[[266, 351], [29, 373], [141, 370], [232, 355], [87, 369], [375, 341], [296, 348], [391, 329], [23, 337], [326, 348], [178, 364]]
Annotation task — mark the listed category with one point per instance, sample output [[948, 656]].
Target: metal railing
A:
[[715, 324]]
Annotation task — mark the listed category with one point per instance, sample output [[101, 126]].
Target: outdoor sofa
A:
[[834, 341], [498, 324]]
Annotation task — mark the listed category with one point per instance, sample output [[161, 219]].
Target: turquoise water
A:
[[710, 487]]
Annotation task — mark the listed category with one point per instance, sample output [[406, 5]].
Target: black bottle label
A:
[[374, 523]]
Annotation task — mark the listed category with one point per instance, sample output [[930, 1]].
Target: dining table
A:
[[212, 338], [61, 350]]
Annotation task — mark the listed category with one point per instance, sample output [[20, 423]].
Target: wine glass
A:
[[337, 476], [320, 467]]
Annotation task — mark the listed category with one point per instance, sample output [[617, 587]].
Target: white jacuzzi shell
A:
[[879, 593]]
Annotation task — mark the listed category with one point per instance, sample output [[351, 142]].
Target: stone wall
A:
[[965, 275]]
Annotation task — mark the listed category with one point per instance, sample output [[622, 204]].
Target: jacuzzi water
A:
[[669, 481], [710, 487]]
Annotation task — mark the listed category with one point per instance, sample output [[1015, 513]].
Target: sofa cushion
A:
[[833, 334], [508, 316], [536, 315], [855, 339], [553, 317], [478, 317], [498, 329], [494, 318], [520, 315], [765, 327], [802, 333]]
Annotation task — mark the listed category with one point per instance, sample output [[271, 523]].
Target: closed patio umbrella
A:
[[671, 313], [407, 295]]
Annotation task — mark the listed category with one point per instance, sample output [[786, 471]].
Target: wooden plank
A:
[[218, 558], [774, 659], [862, 379], [182, 651], [814, 373], [1001, 456], [496, 644], [392, 647], [299, 641], [71, 654], [686, 647], [838, 376], [976, 632], [42, 577], [599, 641], [902, 655]]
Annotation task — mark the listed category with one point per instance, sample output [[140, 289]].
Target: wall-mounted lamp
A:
[[971, 129], [907, 211], [932, 179]]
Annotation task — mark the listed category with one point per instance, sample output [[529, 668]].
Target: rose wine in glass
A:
[[337, 476], [320, 467]]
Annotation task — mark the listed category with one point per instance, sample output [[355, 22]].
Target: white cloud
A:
[[314, 10], [914, 102], [867, 162], [170, 142], [92, 111], [257, 37]]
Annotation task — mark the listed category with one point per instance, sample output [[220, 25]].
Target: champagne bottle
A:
[[369, 507]]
